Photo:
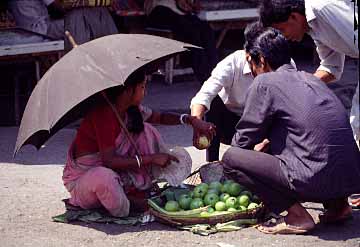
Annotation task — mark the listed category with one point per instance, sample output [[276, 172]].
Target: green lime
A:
[[196, 203], [252, 205], [172, 206], [220, 206], [243, 200]]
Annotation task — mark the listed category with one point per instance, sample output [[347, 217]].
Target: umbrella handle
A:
[[71, 39]]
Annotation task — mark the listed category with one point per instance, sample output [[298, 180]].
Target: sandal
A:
[[279, 226]]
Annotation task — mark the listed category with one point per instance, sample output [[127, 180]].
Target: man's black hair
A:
[[273, 46], [252, 31], [276, 11]]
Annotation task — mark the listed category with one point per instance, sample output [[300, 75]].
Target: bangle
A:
[[182, 118], [138, 160]]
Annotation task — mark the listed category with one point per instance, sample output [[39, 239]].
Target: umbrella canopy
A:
[[61, 95]]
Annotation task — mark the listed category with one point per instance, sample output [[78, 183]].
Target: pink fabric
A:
[[100, 186], [148, 142], [74, 169], [91, 184]]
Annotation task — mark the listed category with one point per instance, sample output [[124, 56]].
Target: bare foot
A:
[[337, 214], [298, 216]]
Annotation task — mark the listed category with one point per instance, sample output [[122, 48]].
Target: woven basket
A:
[[192, 180], [183, 221]]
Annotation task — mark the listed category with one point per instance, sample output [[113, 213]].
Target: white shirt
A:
[[331, 25], [31, 14], [230, 79]]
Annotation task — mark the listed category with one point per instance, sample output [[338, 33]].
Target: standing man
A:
[[333, 27], [222, 96]]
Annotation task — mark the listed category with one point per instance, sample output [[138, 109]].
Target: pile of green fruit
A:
[[216, 196]]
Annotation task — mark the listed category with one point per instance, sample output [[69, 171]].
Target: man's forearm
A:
[[198, 111]]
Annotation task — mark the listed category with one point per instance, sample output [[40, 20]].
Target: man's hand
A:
[[202, 128], [262, 146], [324, 76]]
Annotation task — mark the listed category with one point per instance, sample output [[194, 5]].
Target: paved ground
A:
[[31, 191]]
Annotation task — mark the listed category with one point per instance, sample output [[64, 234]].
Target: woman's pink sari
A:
[[148, 142]]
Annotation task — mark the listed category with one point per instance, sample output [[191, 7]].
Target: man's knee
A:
[[231, 158]]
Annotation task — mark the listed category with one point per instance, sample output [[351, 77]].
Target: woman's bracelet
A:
[[138, 160], [182, 116]]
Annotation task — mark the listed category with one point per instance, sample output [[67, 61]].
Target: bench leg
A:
[[17, 100], [169, 71]]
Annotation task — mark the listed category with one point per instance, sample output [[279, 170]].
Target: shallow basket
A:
[[192, 180]]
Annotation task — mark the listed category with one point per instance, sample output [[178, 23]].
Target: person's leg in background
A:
[[354, 116], [225, 122], [204, 61], [355, 124], [190, 29], [336, 211], [88, 23]]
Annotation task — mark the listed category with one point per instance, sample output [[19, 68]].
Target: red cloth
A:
[[97, 131]]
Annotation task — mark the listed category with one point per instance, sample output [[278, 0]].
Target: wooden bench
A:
[[27, 53], [228, 19]]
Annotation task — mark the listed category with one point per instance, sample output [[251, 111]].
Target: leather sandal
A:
[[279, 226]]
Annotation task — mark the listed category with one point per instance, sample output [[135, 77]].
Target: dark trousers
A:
[[260, 173], [225, 122], [190, 29], [88, 23]]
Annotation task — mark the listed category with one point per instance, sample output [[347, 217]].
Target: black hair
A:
[[276, 11], [272, 46], [135, 123], [252, 31], [134, 79]]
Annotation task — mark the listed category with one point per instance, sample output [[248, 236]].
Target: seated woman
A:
[[312, 155], [105, 167]]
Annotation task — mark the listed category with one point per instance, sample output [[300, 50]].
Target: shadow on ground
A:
[[334, 232], [115, 229]]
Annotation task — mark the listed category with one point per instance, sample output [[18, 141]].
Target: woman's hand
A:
[[162, 159]]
